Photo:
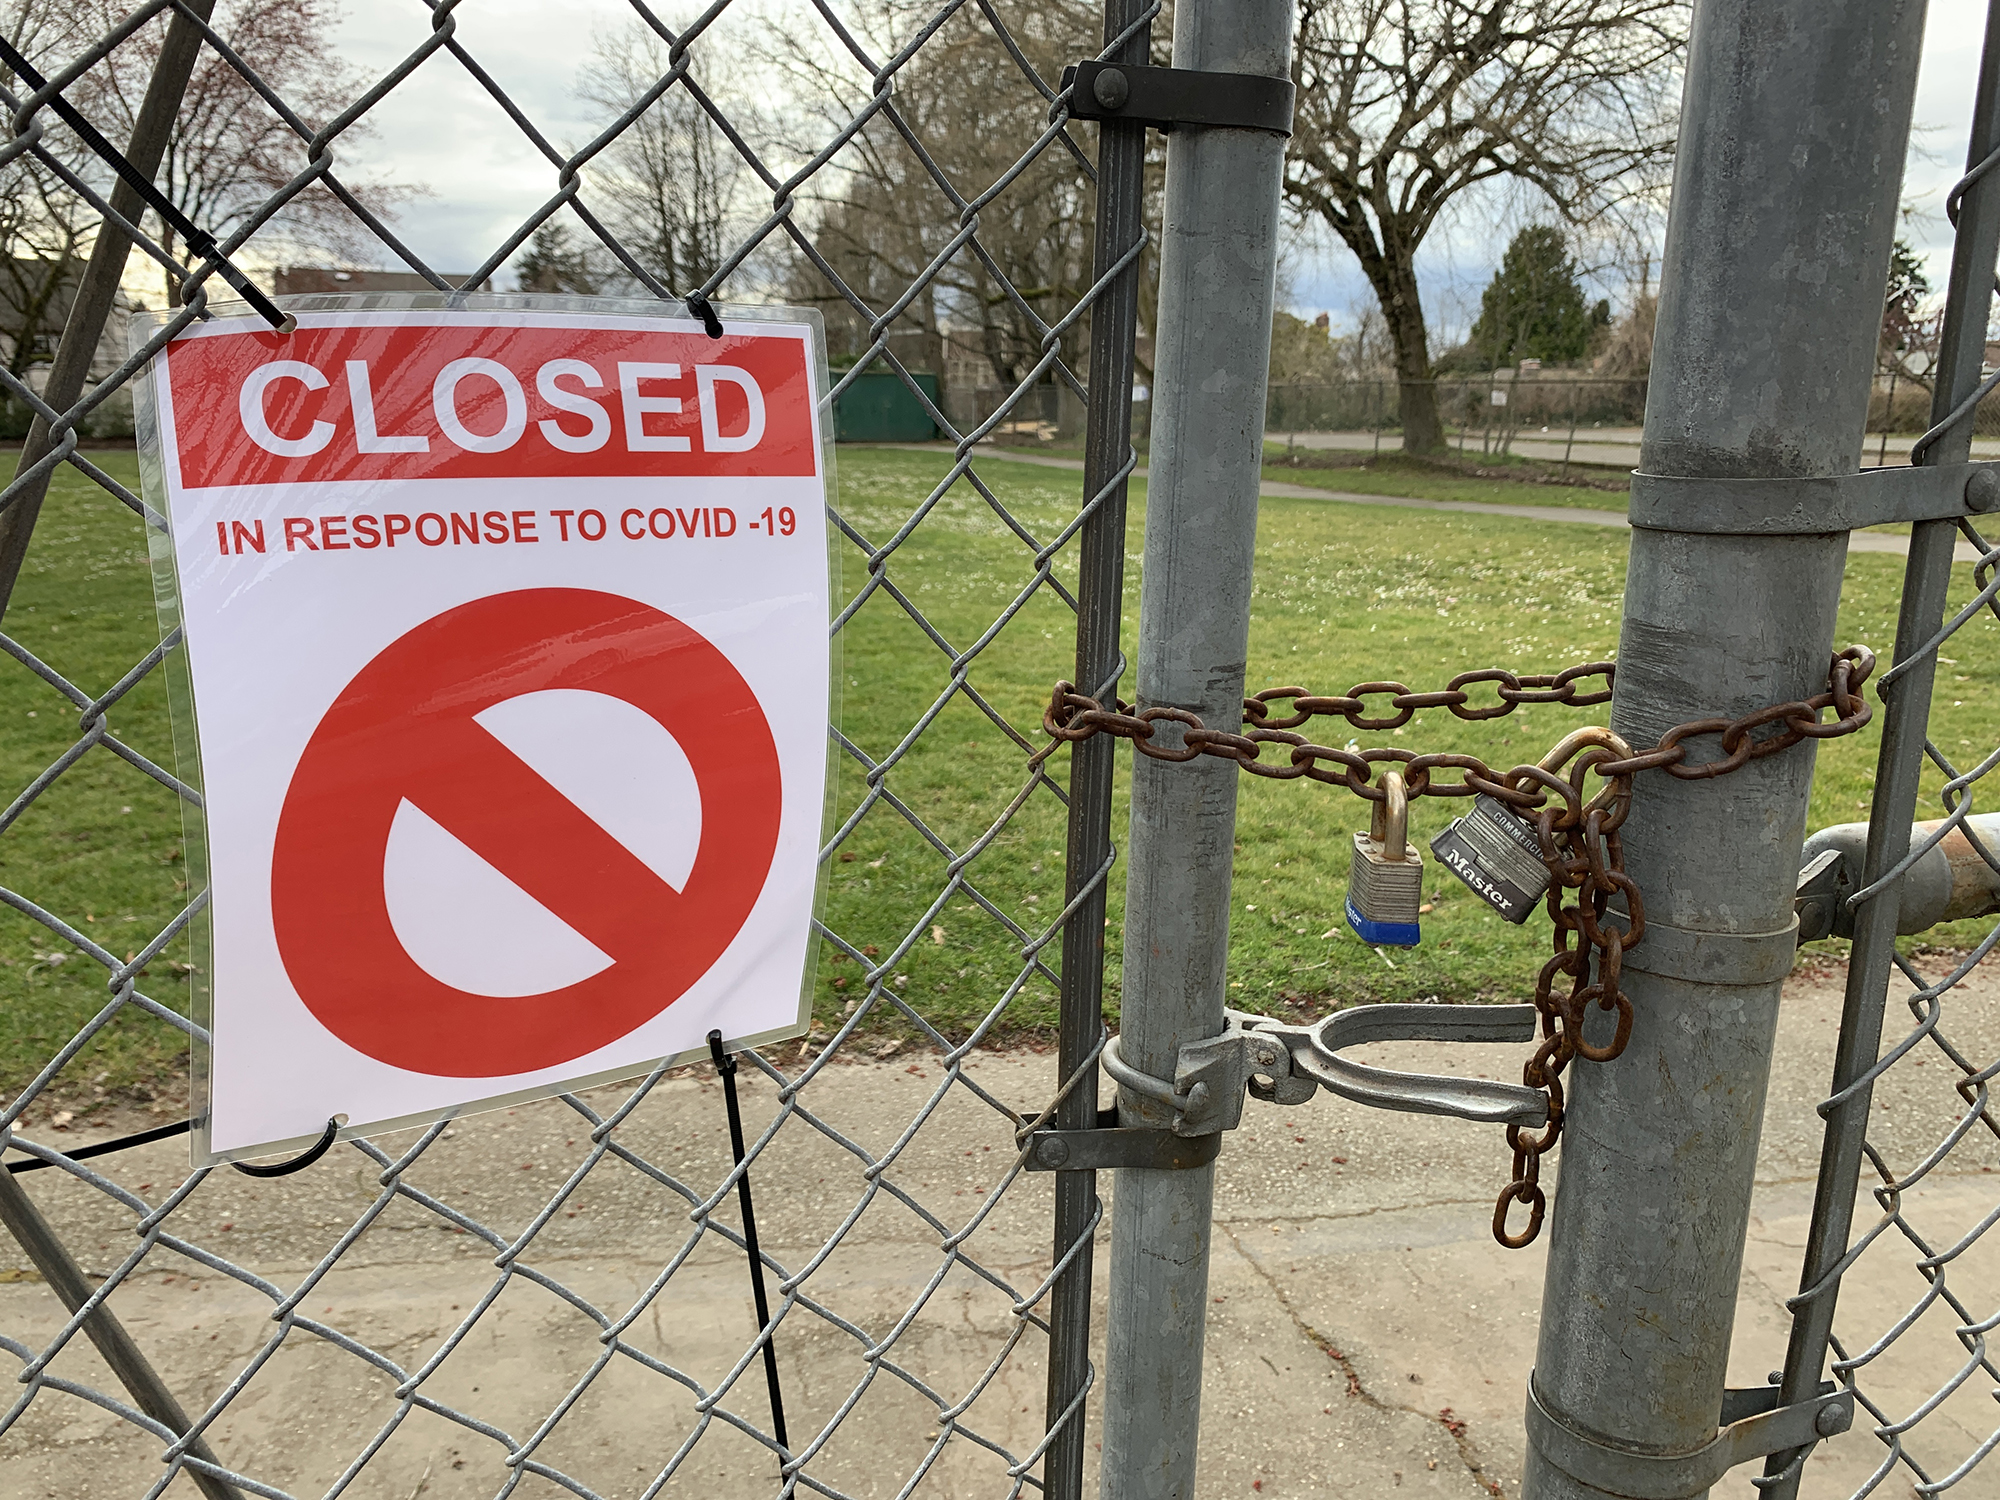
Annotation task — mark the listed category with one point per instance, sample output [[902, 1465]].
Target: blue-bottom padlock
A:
[[1386, 885]]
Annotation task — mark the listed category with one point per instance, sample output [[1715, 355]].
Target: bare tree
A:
[[1407, 106], [230, 151], [668, 187], [887, 221], [45, 227]]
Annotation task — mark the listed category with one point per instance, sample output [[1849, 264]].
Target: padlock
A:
[[1498, 855], [1497, 852], [1386, 885]]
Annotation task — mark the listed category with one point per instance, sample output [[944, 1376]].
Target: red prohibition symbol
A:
[[404, 728]]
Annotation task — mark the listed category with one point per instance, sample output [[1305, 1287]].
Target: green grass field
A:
[[1345, 594]]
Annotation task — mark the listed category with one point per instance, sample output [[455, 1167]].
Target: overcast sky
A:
[[441, 129]]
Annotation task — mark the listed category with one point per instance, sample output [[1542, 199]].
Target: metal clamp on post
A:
[[1112, 1145], [1753, 1425], [1170, 98], [1813, 506]]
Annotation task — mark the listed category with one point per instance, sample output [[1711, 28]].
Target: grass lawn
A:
[[1345, 594]]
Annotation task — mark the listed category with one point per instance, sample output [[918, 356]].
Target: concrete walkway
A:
[[1857, 541], [1617, 447], [1367, 1337]]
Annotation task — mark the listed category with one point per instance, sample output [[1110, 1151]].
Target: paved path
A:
[[1858, 541], [1367, 1337], [1617, 447]]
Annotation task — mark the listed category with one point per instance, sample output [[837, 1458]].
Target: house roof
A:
[[306, 280]]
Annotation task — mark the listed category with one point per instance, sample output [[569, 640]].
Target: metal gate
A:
[[1937, 1343]]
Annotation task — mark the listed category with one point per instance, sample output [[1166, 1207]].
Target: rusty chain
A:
[[1579, 836]]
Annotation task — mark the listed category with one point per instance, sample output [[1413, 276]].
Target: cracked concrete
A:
[[1366, 1336]]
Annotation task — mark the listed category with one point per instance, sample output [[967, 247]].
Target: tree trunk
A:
[[1404, 312]]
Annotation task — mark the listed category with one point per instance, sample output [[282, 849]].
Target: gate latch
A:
[[1286, 1064]]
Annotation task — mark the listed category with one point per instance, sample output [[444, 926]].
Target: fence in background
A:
[[1467, 405], [1491, 412]]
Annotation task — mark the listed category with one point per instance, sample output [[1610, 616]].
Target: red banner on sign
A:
[[471, 402]]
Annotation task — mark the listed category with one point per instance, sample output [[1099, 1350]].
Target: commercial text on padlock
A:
[[1498, 855], [1386, 885]]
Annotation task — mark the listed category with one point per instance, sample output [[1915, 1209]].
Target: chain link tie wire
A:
[[1580, 844]]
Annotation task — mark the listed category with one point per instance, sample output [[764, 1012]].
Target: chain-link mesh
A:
[[1904, 1304], [579, 1258], [1912, 1335]]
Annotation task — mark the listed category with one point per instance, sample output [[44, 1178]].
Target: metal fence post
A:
[[97, 289], [128, 1362], [1795, 122], [1900, 765], [1218, 261], [1100, 662]]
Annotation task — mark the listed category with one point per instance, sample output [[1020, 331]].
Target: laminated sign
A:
[[506, 641]]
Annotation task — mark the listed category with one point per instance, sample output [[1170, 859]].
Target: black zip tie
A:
[[726, 1066], [198, 240], [298, 1163], [699, 306], [105, 1148]]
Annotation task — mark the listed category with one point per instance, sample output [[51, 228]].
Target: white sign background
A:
[[274, 637]]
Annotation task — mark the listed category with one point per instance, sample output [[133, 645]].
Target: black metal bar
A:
[[1168, 97], [98, 289], [199, 240], [725, 1065], [105, 1148], [1114, 327]]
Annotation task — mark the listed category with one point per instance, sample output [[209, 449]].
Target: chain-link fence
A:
[[1910, 1138], [503, 1302], [1917, 1352], [498, 1304]]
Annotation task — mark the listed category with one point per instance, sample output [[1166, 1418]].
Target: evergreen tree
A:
[[553, 262], [1902, 308], [1534, 307]]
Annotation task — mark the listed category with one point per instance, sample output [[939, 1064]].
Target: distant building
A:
[[305, 281], [21, 278]]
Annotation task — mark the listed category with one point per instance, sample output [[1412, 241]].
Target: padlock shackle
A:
[[1389, 821], [1590, 734], [1576, 739]]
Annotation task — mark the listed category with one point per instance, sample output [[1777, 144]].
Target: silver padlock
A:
[[1386, 885], [1498, 853], [1498, 856]]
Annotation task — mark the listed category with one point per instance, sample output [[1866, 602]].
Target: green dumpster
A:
[[879, 408]]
